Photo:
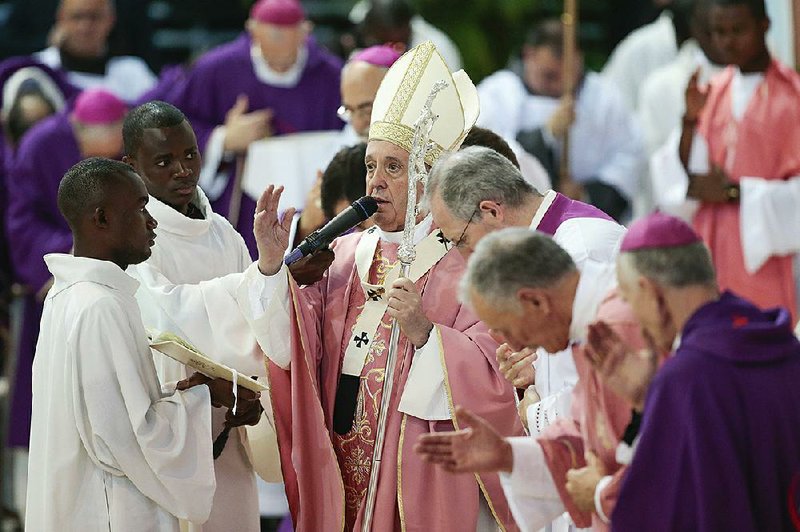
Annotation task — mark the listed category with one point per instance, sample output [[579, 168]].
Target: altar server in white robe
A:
[[606, 154], [661, 95], [476, 192], [195, 244], [110, 448]]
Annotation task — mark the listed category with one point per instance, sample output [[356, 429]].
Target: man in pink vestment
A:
[[549, 299], [740, 145], [328, 342]]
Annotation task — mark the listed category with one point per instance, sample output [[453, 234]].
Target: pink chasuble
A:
[[326, 474], [765, 143], [599, 419]]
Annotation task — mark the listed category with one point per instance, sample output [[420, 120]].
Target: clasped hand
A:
[[405, 305], [248, 404]]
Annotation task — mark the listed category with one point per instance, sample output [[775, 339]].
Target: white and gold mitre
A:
[[402, 96]]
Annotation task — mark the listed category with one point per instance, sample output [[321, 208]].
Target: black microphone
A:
[[356, 213]]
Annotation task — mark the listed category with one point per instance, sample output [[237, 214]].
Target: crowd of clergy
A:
[[586, 320]]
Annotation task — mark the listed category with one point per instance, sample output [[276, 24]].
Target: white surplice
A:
[[641, 52], [110, 449], [593, 244], [189, 251], [605, 139], [662, 95], [128, 77]]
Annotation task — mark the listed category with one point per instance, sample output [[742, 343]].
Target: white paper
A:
[[291, 161]]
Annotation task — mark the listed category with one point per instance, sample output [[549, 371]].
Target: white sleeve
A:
[[207, 314], [544, 413], [265, 300], [626, 156], [770, 219], [529, 488], [669, 179], [161, 443], [598, 492], [425, 395]]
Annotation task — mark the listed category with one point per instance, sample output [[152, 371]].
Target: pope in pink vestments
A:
[[328, 343]]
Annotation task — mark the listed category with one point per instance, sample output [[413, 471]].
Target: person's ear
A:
[[130, 161], [100, 218], [535, 299], [492, 209]]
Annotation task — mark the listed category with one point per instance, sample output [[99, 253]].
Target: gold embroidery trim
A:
[[403, 136], [452, 409], [400, 472], [410, 82]]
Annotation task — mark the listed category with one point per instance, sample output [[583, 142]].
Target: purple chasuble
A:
[[222, 75], [563, 209], [35, 227], [720, 437]]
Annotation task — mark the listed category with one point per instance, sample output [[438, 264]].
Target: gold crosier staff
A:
[[569, 21], [417, 173]]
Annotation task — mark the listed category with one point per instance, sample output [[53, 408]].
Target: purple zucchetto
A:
[[98, 107], [381, 55], [278, 12], [658, 231]]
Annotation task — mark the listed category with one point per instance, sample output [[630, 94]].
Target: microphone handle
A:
[[306, 247]]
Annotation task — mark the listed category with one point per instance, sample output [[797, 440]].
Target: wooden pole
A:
[[569, 20], [796, 32]]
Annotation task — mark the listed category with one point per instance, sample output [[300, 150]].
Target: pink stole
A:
[[326, 474], [599, 416], [765, 143]]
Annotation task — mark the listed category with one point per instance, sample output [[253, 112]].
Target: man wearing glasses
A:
[[477, 191], [361, 77]]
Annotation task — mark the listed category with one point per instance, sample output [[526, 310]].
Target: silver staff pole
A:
[[416, 174]]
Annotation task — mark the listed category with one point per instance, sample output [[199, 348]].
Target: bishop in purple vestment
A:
[[720, 437], [274, 79]]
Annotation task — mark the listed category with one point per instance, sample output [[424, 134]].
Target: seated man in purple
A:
[[273, 80]]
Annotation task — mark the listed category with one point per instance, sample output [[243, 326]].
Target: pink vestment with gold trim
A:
[[419, 496]]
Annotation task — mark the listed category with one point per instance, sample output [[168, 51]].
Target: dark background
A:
[[487, 32]]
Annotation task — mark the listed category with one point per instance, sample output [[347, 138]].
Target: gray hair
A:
[[675, 267], [507, 260], [474, 174]]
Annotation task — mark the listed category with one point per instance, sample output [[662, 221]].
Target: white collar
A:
[[69, 270], [547, 201], [172, 221], [287, 79], [420, 231], [594, 285]]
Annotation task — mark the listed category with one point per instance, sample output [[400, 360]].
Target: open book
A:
[[179, 349]]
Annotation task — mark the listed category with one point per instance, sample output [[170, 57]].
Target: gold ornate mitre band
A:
[[403, 136], [402, 96]]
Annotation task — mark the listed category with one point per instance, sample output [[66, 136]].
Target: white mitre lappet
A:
[[402, 95]]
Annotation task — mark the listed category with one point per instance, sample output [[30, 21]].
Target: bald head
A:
[[87, 185], [360, 82], [83, 26]]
